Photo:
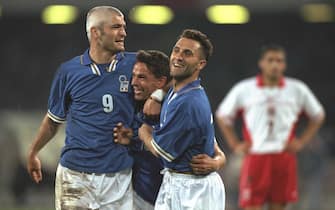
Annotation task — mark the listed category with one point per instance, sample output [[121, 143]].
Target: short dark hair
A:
[[206, 44], [271, 47], [156, 61]]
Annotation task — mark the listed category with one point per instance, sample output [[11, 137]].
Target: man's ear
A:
[[260, 64], [161, 82], [95, 32], [202, 64]]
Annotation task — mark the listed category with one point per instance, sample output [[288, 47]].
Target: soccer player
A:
[[151, 72], [186, 129], [270, 105], [92, 93]]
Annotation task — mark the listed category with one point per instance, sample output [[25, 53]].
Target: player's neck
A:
[[270, 82], [101, 56], [179, 84]]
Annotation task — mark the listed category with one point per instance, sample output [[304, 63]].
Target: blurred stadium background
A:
[[35, 38]]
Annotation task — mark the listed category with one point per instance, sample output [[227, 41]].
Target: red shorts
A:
[[268, 178]]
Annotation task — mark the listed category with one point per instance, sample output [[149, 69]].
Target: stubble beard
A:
[[185, 75]]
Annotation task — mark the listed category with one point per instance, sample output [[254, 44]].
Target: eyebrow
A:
[[118, 24]]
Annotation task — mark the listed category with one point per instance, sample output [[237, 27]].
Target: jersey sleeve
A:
[[175, 136], [57, 103], [311, 106], [230, 105]]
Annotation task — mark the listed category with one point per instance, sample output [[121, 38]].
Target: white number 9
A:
[[107, 102]]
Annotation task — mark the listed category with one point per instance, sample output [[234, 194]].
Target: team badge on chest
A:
[[124, 83]]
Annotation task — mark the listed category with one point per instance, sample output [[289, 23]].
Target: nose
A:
[[134, 81], [123, 32], [275, 64], [178, 56]]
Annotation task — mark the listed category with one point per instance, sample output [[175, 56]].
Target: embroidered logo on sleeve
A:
[[124, 83]]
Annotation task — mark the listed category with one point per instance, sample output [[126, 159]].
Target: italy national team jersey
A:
[[269, 114], [186, 127], [92, 99], [147, 178]]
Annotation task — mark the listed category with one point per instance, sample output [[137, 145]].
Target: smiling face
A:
[[186, 59], [111, 33], [144, 82]]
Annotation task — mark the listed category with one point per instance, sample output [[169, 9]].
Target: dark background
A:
[[31, 52]]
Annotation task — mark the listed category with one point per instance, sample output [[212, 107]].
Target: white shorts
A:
[[183, 191], [141, 204], [77, 190]]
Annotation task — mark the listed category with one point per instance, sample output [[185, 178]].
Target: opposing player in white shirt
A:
[[270, 105]]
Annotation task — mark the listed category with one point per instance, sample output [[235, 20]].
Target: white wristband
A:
[[158, 95]]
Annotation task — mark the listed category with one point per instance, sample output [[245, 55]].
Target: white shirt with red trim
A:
[[269, 114]]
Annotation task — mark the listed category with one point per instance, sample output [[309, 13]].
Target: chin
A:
[[176, 75], [181, 77], [116, 49], [139, 98], [276, 77]]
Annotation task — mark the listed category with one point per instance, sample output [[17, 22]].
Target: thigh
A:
[[255, 180], [163, 201], [197, 193], [284, 187], [214, 193], [72, 191], [116, 191]]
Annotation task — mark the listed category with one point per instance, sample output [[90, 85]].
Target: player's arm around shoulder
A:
[[204, 164], [153, 104], [145, 135], [122, 135]]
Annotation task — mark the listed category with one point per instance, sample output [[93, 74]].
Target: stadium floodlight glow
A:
[[318, 13], [151, 14], [228, 14], [59, 14]]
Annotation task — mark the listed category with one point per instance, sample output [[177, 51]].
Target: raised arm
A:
[[152, 106], [145, 134]]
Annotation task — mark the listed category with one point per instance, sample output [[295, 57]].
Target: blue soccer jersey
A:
[[146, 170], [92, 99], [186, 127]]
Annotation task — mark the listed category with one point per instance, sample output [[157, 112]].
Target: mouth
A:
[[121, 41], [137, 91], [177, 65]]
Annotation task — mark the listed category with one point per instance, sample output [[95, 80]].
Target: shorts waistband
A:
[[125, 171], [191, 175], [181, 172]]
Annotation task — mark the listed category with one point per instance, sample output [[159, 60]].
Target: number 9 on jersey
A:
[[107, 102]]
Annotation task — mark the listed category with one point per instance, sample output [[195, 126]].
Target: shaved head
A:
[[97, 16]]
